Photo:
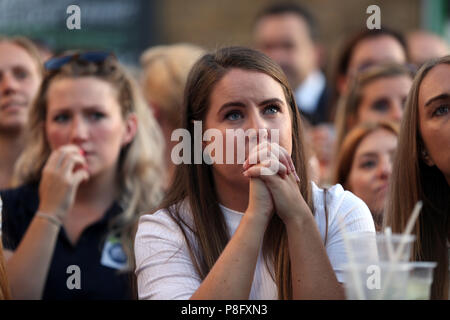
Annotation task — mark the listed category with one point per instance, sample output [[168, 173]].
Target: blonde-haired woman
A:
[[377, 93], [421, 170], [164, 75], [92, 164]]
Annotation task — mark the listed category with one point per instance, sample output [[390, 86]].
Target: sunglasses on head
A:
[[91, 56]]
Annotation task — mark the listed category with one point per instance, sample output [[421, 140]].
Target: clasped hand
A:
[[274, 183]]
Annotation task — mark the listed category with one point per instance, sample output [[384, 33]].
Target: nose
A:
[[385, 167], [8, 84], [79, 130], [277, 55], [397, 111], [275, 52], [258, 125]]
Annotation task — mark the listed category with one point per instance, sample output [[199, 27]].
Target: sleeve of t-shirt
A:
[[164, 268], [349, 213]]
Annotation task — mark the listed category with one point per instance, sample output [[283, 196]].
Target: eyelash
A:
[[60, 118], [368, 164], [20, 74], [381, 106], [94, 116], [273, 106], [434, 114]]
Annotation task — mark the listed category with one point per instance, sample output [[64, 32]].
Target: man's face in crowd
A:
[[286, 39]]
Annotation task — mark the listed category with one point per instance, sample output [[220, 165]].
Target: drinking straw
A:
[[403, 239], [388, 233], [352, 262], [408, 229]]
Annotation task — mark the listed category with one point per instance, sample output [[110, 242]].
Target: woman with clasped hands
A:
[[252, 230]]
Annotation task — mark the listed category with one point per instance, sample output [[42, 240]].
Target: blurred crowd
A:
[[86, 148]]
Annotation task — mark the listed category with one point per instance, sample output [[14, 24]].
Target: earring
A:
[[424, 153], [426, 158]]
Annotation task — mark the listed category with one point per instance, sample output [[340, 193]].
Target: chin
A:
[[231, 175], [12, 126]]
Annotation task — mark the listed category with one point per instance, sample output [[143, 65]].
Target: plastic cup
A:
[[368, 247], [371, 281], [420, 280], [362, 247], [388, 244]]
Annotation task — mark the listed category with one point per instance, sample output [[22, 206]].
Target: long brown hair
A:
[[413, 180], [194, 183]]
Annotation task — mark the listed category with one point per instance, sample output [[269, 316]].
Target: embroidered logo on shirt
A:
[[113, 255]]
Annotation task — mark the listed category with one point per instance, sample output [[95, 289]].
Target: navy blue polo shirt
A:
[[95, 279]]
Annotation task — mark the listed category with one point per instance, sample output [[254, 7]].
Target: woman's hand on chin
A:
[[62, 174]]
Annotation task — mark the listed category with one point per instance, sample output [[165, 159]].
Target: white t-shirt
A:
[[165, 271]]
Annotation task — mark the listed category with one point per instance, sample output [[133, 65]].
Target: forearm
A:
[[232, 275], [28, 267], [312, 274]]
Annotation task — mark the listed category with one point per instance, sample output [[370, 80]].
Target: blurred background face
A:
[[285, 38], [434, 117], [376, 50], [19, 83], [371, 169], [85, 112], [384, 99], [423, 46], [372, 51], [247, 100]]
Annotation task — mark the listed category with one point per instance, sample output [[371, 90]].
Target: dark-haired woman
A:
[[235, 230]]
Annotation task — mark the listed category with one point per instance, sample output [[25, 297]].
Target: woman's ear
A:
[[131, 124]]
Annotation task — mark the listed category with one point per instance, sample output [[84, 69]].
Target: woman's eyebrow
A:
[[232, 104], [439, 97], [242, 105], [368, 154], [273, 100]]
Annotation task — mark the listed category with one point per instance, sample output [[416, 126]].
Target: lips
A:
[[12, 104], [383, 188], [85, 153]]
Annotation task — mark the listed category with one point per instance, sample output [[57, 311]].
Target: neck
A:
[[11, 146], [232, 195]]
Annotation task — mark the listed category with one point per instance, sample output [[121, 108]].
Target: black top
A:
[[87, 270]]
